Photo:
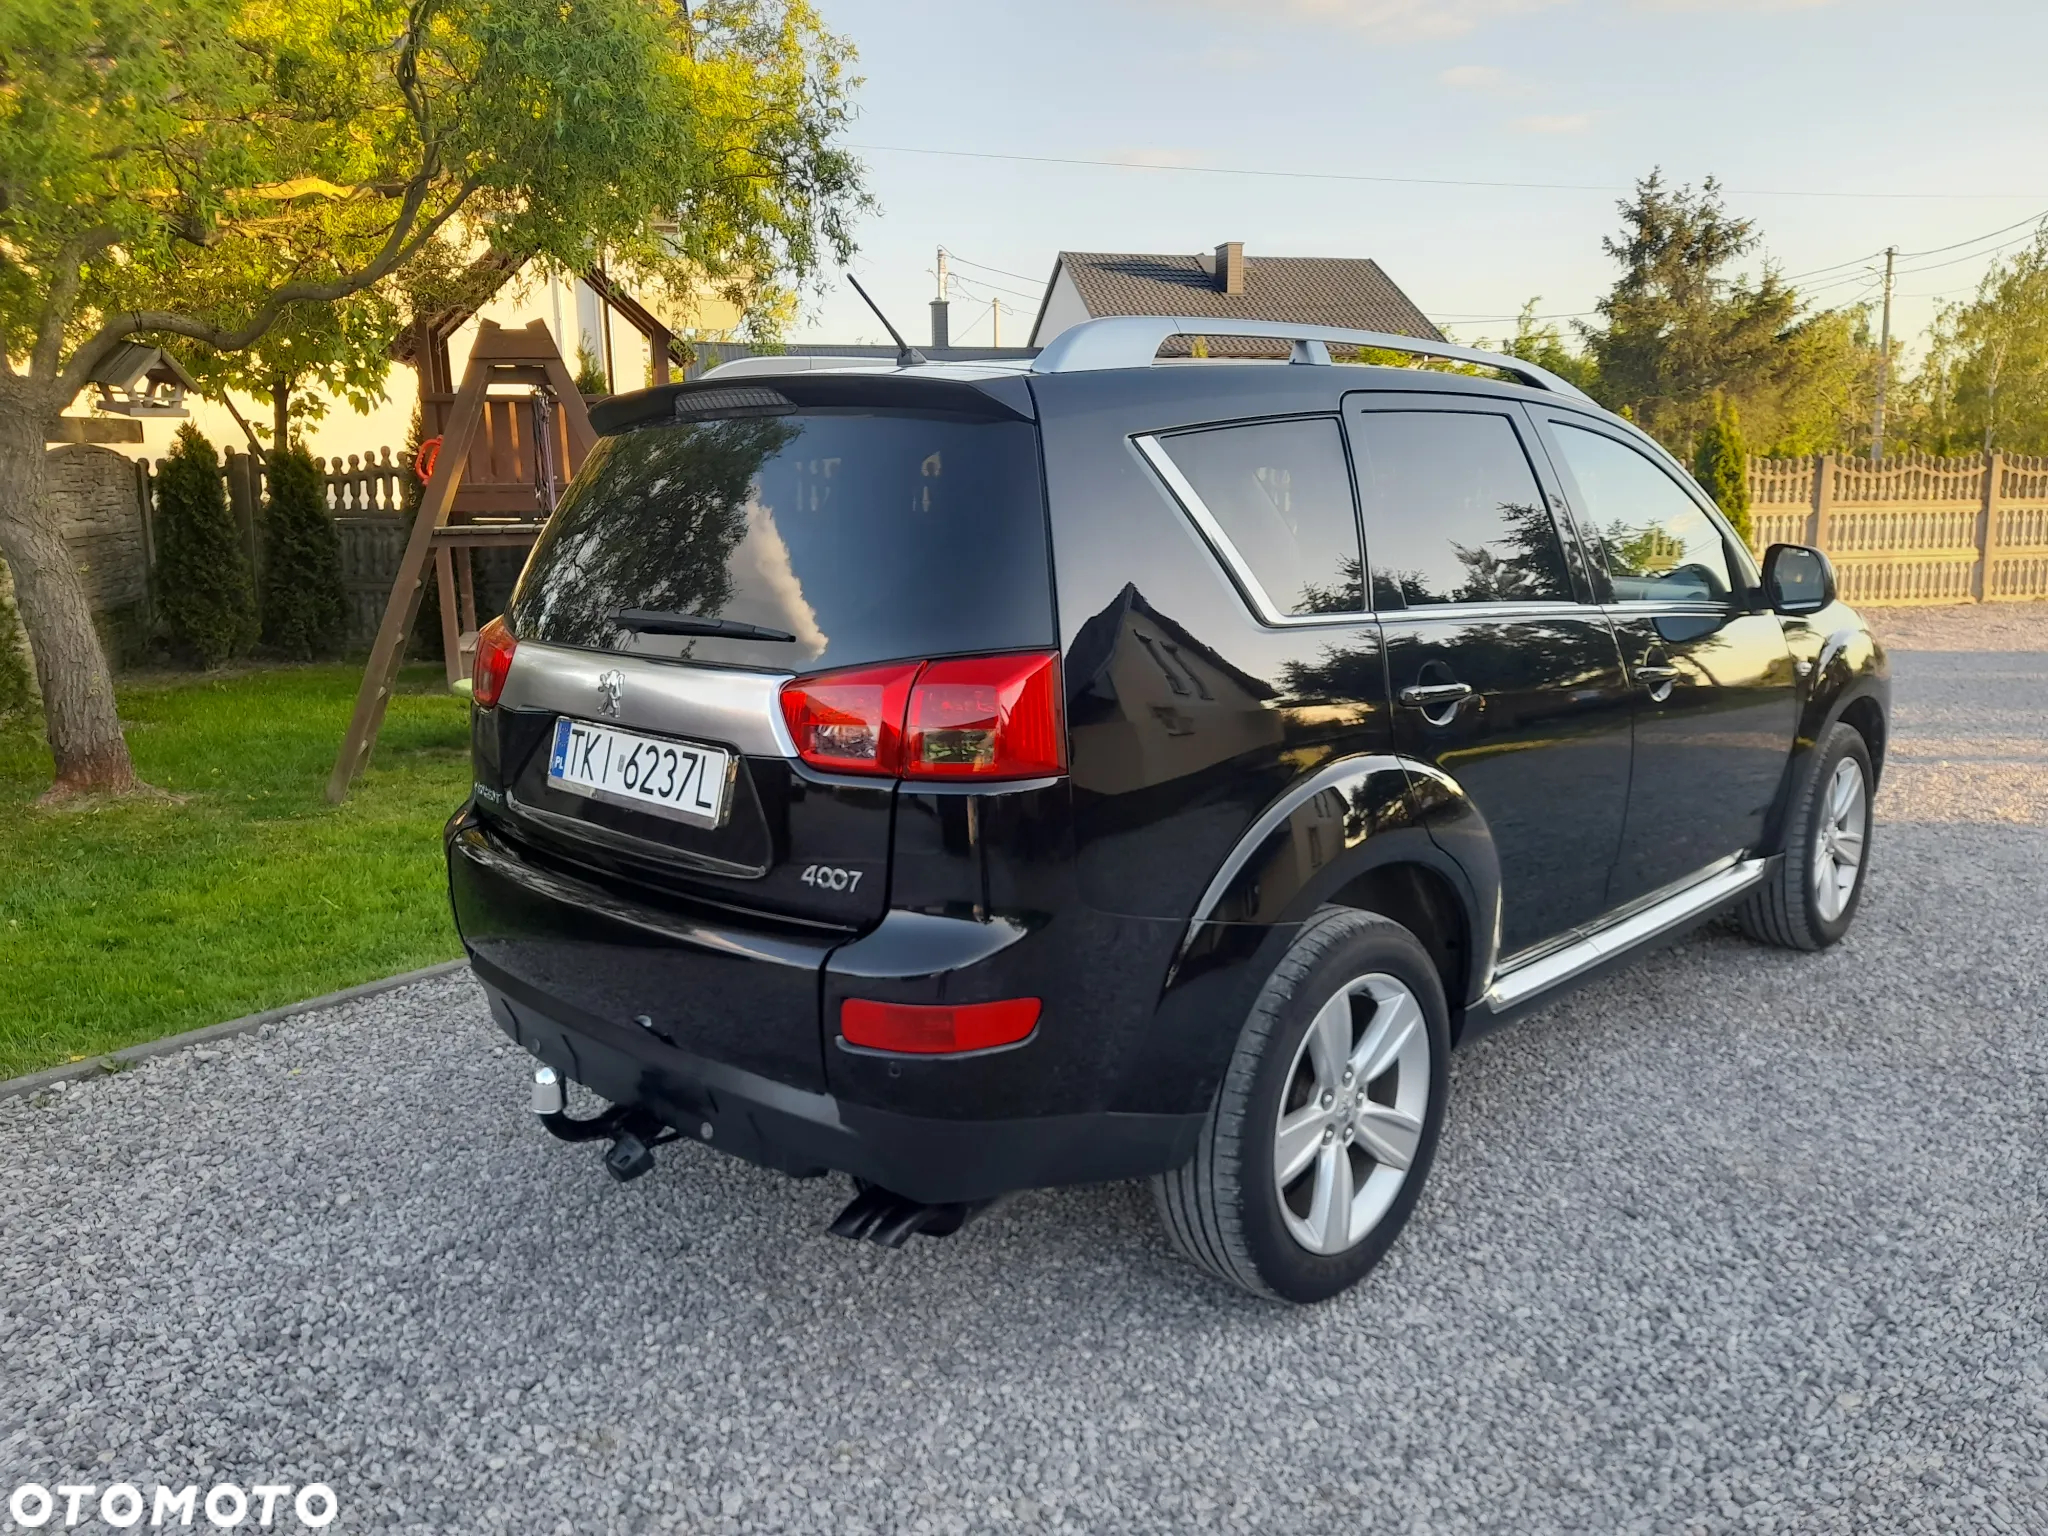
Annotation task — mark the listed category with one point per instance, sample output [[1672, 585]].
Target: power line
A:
[[1412, 181], [1021, 277], [987, 310], [981, 282], [1863, 279], [1833, 266], [1953, 261], [2035, 218]]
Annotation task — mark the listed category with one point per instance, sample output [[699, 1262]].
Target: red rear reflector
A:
[[985, 717], [494, 647], [926, 1030], [851, 721]]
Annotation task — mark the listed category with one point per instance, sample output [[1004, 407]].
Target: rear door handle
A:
[[1431, 695]]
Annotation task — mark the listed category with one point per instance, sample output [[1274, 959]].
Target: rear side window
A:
[[865, 537], [1660, 546], [1279, 495], [1453, 513]]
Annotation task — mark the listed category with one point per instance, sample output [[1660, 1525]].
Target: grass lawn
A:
[[137, 919]]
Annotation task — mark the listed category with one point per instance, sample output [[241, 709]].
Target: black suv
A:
[[978, 777]]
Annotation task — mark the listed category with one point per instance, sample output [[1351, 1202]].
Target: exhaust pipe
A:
[[879, 1215]]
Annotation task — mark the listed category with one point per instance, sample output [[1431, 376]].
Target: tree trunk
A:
[[281, 413], [78, 689]]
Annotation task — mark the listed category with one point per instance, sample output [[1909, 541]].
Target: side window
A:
[[1279, 494], [1453, 513], [1660, 547]]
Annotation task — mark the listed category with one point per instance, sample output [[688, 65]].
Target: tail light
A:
[[985, 717], [494, 647], [966, 717], [852, 721], [926, 1030]]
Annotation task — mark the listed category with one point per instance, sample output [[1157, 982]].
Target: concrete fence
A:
[[1912, 529]]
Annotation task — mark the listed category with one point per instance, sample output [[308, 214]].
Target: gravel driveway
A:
[[1736, 1240]]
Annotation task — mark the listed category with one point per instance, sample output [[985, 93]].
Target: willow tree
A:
[[194, 173]]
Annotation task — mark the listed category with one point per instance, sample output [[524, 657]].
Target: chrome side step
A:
[[1512, 988]]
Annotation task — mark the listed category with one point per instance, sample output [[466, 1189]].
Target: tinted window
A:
[[1282, 494], [1660, 546], [1453, 513], [867, 537]]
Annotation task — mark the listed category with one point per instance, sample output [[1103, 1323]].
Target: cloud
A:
[[1395, 20], [1554, 122], [1749, 6], [1478, 77]]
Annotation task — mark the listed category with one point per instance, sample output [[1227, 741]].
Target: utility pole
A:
[[996, 319], [1884, 359]]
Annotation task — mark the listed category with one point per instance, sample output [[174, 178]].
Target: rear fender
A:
[[1355, 815], [1324, 834]]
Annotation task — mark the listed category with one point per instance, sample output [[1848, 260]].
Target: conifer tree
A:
[[304, 607], [1721, 465], [208, 599]]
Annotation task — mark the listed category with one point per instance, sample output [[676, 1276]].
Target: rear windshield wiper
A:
[[654, 621]]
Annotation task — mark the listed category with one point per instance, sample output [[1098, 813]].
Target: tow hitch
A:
[[882, 1216], [632, 1132]]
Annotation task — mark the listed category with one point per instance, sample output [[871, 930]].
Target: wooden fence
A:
[[1912, 529]]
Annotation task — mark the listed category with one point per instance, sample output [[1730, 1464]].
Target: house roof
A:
[[1351, 292]]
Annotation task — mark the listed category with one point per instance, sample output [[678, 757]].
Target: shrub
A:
[[208, 598], [304, 607], [1721, 465]]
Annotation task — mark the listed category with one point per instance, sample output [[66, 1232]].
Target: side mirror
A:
[[1797, 579]]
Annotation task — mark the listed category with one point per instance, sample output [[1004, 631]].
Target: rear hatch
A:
[[824, 522]]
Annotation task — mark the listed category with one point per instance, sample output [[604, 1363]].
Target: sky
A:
[[1840, 126]]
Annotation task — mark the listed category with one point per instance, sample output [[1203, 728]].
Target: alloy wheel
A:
[[1838, 841], [1352, 1113]]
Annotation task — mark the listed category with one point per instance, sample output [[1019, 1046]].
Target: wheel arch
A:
[[1864, 715], [1423, 899], [1850, 684], [1377, 833]]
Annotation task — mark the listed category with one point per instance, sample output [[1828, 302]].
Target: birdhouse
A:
[[135, 380]]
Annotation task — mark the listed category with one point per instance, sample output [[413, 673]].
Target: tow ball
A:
[[632, 1132]]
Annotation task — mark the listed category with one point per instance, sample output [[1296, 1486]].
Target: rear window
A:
[[866, 537]]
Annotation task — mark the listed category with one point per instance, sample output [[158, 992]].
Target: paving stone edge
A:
[[115, 1061]]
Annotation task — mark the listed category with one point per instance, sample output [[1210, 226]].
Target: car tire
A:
[[1809, 901], [1368, 991]]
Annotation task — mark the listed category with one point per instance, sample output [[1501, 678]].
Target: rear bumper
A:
[[804, 1133]]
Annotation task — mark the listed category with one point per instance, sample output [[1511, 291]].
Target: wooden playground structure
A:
[[502, 447]]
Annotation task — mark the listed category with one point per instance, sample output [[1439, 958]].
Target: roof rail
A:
[[1133, 341]]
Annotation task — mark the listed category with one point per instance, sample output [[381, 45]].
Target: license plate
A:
[[682, 779]]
